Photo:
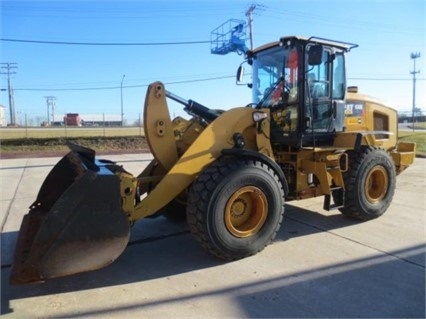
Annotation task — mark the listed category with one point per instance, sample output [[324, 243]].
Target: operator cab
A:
[[302, 81]]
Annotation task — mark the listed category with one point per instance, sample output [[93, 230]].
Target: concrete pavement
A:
[[320, 265]]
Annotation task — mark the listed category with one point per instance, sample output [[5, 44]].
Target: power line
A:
[[127, 11], [383, 79], [124, 86], [278, 13], [103, 43], [186, 81]]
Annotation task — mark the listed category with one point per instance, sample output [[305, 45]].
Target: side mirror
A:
[[240, 74], [315, 54]]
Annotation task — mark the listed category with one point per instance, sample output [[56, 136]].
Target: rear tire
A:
[[370, 184], [235, 207]]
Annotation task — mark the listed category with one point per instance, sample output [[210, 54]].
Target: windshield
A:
[[275, 76]]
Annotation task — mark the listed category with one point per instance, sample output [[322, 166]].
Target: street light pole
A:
[[414, 56], [121, 90]]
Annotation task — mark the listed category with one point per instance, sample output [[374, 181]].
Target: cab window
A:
[[319, 78], [339, 77]]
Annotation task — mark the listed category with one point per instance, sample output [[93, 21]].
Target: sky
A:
[[86, 79]]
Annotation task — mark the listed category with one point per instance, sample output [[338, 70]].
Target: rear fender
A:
[[262, 158]]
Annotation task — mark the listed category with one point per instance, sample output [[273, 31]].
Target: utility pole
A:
[[10, 66], [414, 56], [50, 101], [249, 15]]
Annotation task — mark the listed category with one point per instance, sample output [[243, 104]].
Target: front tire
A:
[[235, 207], [370, 184]]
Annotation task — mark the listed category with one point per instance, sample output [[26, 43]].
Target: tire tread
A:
[[200, 191]]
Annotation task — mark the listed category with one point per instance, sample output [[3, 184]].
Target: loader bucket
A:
[[75, 225]]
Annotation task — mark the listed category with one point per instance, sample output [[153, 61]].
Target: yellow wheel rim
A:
[[376, 184], [246, 211]]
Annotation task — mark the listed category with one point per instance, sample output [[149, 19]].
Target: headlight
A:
[[259, 116]]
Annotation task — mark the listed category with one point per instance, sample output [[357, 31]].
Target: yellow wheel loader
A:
[[230, 171]]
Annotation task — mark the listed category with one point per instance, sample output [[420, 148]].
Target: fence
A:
[[35, 125], [69, 131], [37, 120]]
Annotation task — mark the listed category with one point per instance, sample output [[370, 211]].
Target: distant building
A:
[[3, 121], [72, 119], [100, 119], [77, 119]]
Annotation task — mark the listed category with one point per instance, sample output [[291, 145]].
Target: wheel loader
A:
[[228, 172]]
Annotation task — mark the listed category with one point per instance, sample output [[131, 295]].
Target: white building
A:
[[3, 121]]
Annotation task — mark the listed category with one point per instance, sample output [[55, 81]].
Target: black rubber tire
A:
[[364, 198], [208, 198]]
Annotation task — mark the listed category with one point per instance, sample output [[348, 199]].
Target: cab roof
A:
[[346, 46]]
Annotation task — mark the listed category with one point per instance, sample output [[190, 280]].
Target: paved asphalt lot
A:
[[320, 265]]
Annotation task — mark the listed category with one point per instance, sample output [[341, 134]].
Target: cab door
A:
[[318, 95], [325, 95]]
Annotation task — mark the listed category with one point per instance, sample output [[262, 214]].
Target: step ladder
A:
[[327, 199]]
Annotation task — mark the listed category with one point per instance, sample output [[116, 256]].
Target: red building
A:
[[72, 119]]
